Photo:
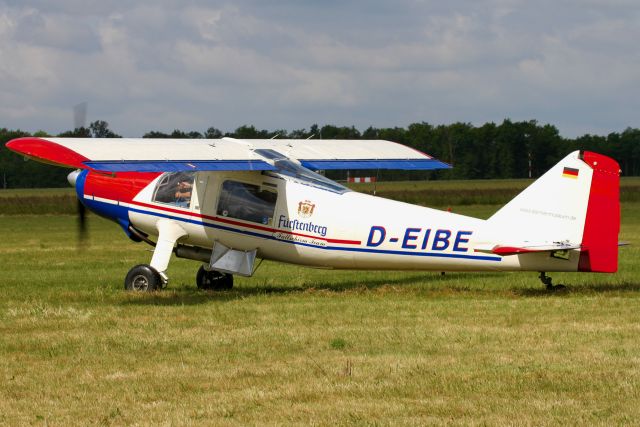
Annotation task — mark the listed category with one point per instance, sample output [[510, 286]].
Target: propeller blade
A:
[[82, 222]]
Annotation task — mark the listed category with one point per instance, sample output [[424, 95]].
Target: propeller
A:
[[82, 223], [80, 209], [80, 121]]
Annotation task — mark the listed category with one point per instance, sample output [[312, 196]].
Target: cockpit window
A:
[[248, 202], [175, 188]]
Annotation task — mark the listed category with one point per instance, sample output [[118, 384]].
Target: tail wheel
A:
[[142, 278], [213, 280]]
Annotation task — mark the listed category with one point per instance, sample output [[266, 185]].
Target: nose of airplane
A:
[[73, 177]]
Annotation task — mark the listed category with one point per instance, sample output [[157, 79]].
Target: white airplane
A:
[[228, 202]]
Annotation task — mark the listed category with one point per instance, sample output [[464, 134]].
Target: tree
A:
[[213, 133], [80, 132], [249, 132], [156, 134], [100, 129], [335, 132], [17, 172], [487, 151]]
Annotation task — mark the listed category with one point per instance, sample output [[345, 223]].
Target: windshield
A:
[[175, 188], [300, 173]]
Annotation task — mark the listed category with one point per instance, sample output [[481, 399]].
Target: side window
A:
[[175, 188], [247, 202]]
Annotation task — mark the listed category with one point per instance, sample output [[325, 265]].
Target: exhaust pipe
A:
[[193, 252]]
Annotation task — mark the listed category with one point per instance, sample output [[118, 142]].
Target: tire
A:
[[213, 280], [142, 278]]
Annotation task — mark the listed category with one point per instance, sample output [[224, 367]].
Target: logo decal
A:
[[305, 208]]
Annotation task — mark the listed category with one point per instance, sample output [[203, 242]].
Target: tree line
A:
[[491, 151]]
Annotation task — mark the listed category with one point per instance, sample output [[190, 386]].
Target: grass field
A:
[[302, 346], [441, 194]]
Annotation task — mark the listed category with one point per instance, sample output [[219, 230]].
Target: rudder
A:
[[599, 251]]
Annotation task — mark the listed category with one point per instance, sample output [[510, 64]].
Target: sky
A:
[[189, 65]]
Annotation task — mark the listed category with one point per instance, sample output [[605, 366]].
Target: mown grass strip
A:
[[440, 194]]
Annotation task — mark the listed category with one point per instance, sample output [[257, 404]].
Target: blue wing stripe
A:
[[179, 166], [402, 164]]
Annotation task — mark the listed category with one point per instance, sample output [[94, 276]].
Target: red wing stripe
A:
[[243, 224], [48, 152]]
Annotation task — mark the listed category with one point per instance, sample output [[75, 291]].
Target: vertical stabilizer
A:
[[575, 203]]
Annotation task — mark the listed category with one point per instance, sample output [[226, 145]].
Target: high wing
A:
[[162, 155]]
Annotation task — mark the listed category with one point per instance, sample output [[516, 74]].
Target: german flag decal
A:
[[570, 173]]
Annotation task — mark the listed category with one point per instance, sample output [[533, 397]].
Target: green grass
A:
[[33, 192], [38, 201], [475, 184], [472, 192], [440, 194], [303, 346]]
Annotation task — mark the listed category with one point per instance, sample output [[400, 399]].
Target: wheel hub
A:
[[140, 283]]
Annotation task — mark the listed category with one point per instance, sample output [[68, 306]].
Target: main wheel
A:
[[213, 280], [142, 278]]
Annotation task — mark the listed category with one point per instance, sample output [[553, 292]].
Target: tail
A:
[[575, 205]]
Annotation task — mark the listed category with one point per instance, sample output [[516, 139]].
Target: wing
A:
[[149, 155]]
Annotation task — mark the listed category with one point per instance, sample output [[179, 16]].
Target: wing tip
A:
[[46, 151]]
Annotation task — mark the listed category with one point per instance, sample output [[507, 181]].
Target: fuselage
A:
[[295, 221]]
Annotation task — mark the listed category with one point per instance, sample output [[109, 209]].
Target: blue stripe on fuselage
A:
[[117, 210]]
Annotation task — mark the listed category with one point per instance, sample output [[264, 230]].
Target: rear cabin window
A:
[[174, 188], [248, 202]]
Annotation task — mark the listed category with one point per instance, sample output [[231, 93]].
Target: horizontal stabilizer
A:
[[504, 250]]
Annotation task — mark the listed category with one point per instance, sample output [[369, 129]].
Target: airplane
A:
[[230, 202]]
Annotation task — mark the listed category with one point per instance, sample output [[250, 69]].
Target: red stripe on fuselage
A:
[[243, 224], [124, 186]]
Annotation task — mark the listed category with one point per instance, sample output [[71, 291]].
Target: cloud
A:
[[191, 65]]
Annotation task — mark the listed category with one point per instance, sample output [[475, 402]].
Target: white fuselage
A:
[[318, 227]]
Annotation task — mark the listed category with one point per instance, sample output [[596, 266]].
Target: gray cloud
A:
[[191, 65]]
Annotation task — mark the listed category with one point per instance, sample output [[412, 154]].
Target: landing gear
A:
[[213, 280], [546, 280], [148, 278], [143, 278]]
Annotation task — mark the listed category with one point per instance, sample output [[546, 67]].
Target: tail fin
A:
[[574, 203], [602, 225]]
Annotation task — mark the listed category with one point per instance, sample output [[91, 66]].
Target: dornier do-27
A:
[[228, 202]]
